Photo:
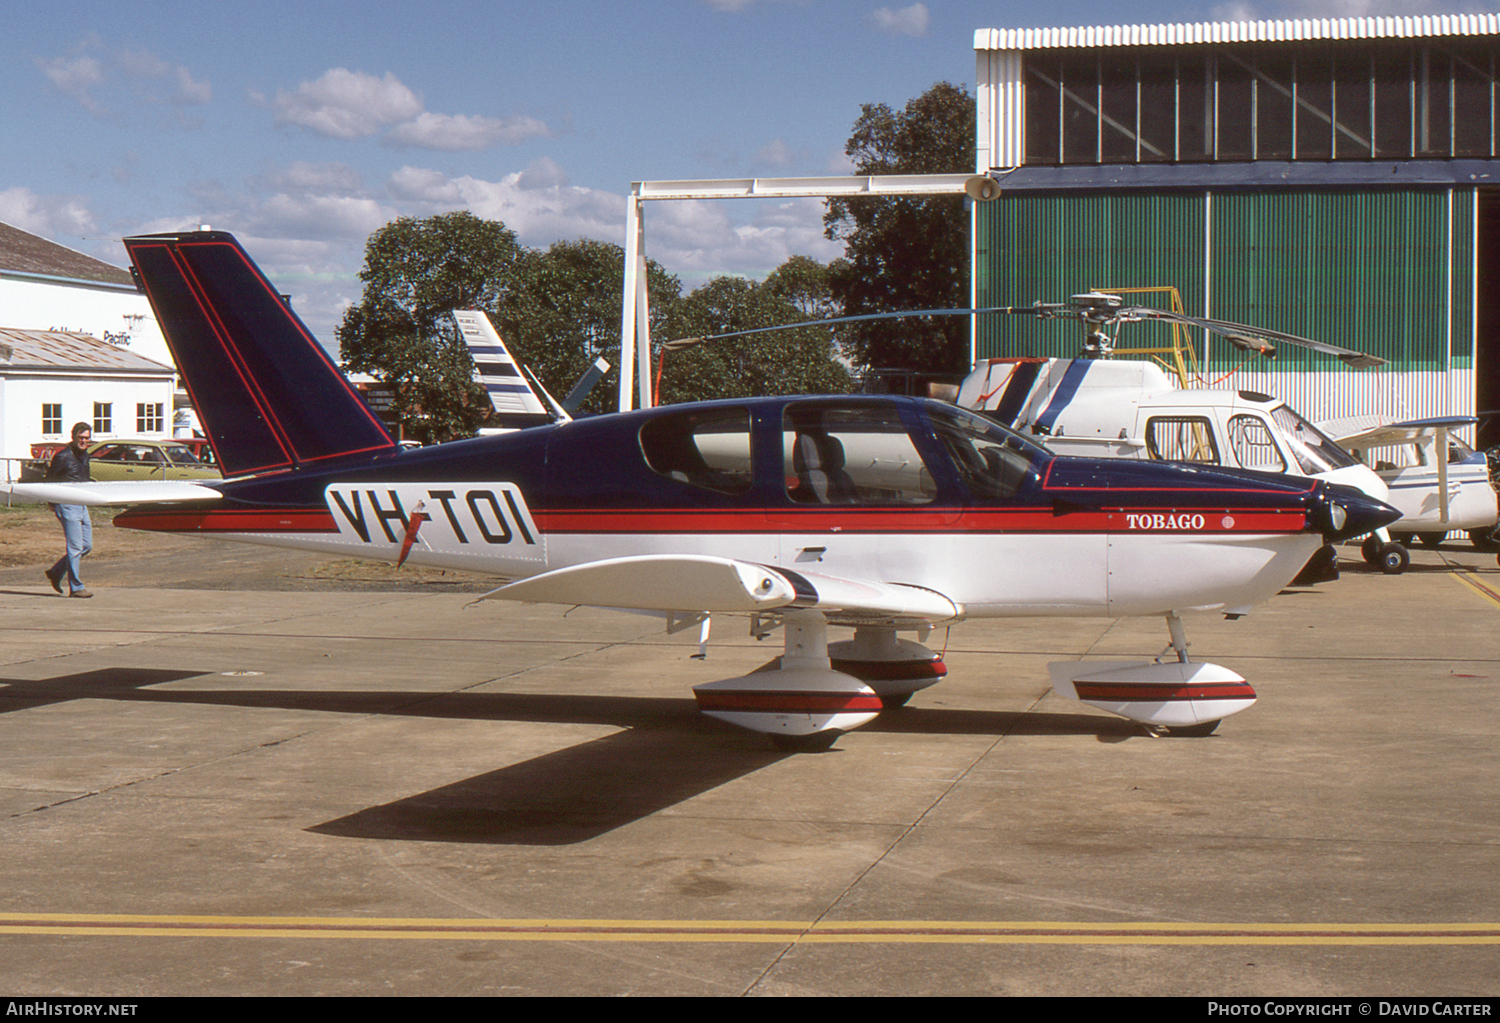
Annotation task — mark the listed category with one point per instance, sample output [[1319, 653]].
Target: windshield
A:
[[992, 460], [1314, 451]]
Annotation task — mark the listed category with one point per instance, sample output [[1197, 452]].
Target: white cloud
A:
[[306, 223], [313, 178], [347, 104], [776, 153], [146, 76], [460, 132], [46, 215], [1245, 10], [1234, 11], [908, 21], [543, 172], [74, 77], [351, 105]]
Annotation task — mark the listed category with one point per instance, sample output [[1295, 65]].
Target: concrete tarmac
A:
[[363, 792]]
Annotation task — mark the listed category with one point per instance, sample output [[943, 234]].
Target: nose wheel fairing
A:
[[1177, 693]]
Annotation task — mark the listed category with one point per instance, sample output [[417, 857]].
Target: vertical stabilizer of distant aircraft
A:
[[515, 399], [267, 394]]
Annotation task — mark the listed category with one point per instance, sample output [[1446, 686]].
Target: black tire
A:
[[1199, 731], [1370, 549], [1393, 558], [1431, 540], [894, 702]]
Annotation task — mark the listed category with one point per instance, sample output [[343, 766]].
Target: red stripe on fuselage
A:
[[219, 520], [911, 520], [765, 520]]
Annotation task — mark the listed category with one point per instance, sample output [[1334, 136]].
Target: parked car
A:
[[147, 459]]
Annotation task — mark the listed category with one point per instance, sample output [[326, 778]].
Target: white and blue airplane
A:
[[804, 513]]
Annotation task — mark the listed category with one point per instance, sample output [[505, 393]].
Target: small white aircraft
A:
[[1109, 408], [1436, 480], [514, 390], [802, 513]]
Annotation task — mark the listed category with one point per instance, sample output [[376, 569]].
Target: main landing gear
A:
[[1174, 693], [817, 690]]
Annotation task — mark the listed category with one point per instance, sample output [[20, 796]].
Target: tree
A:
[[909, 253], [800, 361], [416, 273], [564, 312]]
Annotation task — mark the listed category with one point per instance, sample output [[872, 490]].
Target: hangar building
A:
[[1335, 179]]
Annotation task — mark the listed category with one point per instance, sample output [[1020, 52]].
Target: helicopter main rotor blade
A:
[[1229, 329], [676, 344]]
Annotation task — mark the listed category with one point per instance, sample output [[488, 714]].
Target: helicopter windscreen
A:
[[1314, 450]]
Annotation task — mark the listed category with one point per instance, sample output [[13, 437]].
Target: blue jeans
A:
[[78, 532]]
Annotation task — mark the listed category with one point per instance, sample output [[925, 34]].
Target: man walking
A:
[[71, 465]]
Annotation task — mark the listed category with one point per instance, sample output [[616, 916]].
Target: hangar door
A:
[[1386, 272]]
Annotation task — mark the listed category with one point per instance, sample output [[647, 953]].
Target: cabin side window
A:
[[851, 456], [1181, 439], [993, 462], [1252, 444], [708, 449]]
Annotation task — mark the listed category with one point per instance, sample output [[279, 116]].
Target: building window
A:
[[1330, 99], [104, 417], [148, 417], [51, 419]]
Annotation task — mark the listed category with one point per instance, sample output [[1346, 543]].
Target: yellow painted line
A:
[[764, 931], [1484, 590]]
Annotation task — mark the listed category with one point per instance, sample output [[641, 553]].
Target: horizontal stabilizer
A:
[[116, 492]]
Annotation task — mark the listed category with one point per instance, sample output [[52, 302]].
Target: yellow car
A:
[[147, 460]]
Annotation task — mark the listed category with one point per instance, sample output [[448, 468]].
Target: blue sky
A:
[[304, 127]]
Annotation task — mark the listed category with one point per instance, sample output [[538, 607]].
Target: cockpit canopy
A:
[[830, 451]]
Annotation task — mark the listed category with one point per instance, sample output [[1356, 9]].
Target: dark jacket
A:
[[68, 466]]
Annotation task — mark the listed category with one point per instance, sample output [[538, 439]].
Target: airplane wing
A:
[[725, 585], [118, 492], [1361, 432]]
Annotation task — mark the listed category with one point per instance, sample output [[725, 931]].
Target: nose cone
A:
[[1342, 512]]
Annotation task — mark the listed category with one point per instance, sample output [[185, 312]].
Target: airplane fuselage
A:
[[1051, 536]]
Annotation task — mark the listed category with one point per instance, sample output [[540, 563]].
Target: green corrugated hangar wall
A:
[[1386, 272]]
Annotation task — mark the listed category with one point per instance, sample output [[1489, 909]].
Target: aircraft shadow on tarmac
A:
[[666, 752]]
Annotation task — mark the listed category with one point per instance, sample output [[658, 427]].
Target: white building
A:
[[50, 287], [78, 343], [50, 380]]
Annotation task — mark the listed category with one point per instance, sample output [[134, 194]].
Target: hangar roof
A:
[[24, 253], [1297, 30], [61, 350]]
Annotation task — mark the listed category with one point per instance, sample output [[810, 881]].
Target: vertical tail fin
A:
[[515, 399], [266, 392]]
